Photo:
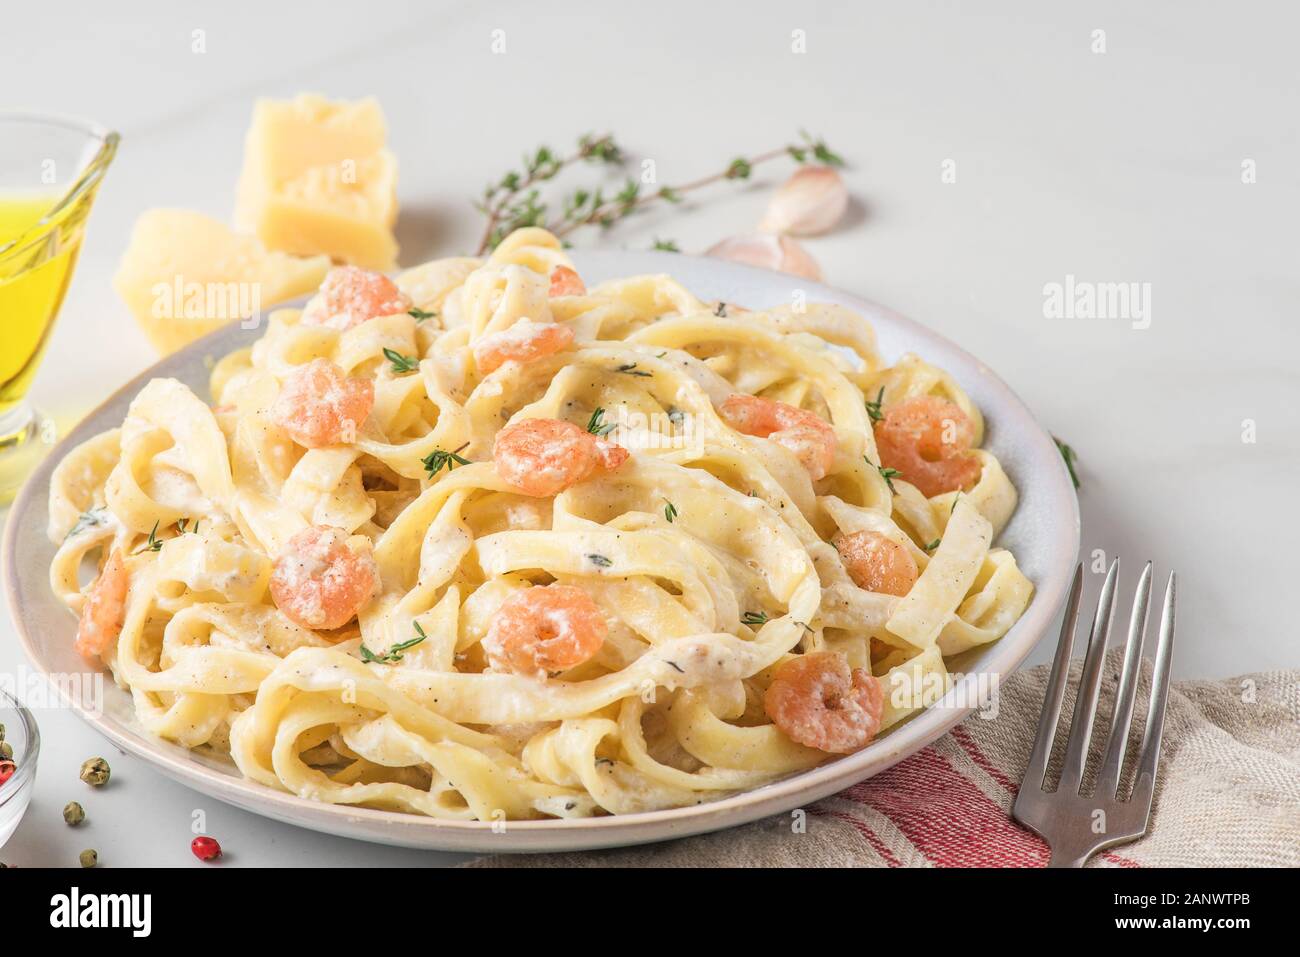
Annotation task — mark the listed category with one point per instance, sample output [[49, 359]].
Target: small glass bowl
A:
[[22, 736]]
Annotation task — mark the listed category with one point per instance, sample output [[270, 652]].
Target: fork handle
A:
[[1064, 858]]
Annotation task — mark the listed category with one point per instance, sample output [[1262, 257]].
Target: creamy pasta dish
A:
[[484, 543]]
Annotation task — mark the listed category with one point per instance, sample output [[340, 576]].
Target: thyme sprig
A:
[[394, 653], [597, 425], [887, 474], [402, 364], [752, 618], [153, 544], [514, 202], [439, 459], [873, 408], [1071, 457]]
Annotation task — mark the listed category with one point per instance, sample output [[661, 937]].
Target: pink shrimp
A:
[[319, 405], [927, 439], [323, 578], [103, 613], [525, 341], [818, 701], [877, 563], [542, 630], [350, 296], [807, 435], [566, 282], [543, 457]]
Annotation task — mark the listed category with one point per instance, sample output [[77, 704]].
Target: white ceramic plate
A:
[[1043, 534]]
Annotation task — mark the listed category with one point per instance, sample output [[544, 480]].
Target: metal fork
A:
[[1076, 826]]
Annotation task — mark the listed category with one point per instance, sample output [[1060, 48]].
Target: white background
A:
[[1122, 166]]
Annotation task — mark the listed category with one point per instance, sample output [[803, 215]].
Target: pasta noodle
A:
[[656, 598]]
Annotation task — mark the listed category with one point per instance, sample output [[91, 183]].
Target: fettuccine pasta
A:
[[487, 544]]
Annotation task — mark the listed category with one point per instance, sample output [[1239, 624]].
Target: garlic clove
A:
[[809, 203], [769, 252]]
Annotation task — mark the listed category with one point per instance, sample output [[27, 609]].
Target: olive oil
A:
[[32, 285]]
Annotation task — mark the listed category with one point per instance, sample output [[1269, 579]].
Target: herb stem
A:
[[541, 167]]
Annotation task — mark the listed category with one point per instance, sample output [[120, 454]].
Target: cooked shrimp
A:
[[542, 630], [566, 282], [818, 701], [877, 563], [350, 296], [525, 341], [927, 439], [319, 405], [807, 435], [323, 578], [105, 609], [543, 457]]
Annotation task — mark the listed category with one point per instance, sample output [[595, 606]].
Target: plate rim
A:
[[411, 830]]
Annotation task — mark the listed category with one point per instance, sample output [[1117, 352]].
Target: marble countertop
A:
[[1121, 145]]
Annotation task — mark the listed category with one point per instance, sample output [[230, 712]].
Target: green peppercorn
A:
[[95, 772], [6, 751], [2, 731], [73, 813], [89, 858]]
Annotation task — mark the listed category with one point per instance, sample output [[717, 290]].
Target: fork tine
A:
[[1117, 745], [1037, 769], [1085, 705], [1150, 756]]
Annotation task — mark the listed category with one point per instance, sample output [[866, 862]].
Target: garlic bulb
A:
[[809, 203], [770, 252]]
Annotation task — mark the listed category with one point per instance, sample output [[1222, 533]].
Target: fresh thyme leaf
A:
[[153, 544], [887, 474], [670, 512], [721, 311], [599, 561], [401, 364], [631, 369], [439, 459], [820, 151], [740, 168], [754, 618], [873, 408], [420, 314], [394, 653], [665, 245], [675, 665], [1070, 457], [933, 545], [597, 425], [93, 518]]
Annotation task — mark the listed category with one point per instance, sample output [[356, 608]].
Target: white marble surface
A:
[[1123, 166]]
